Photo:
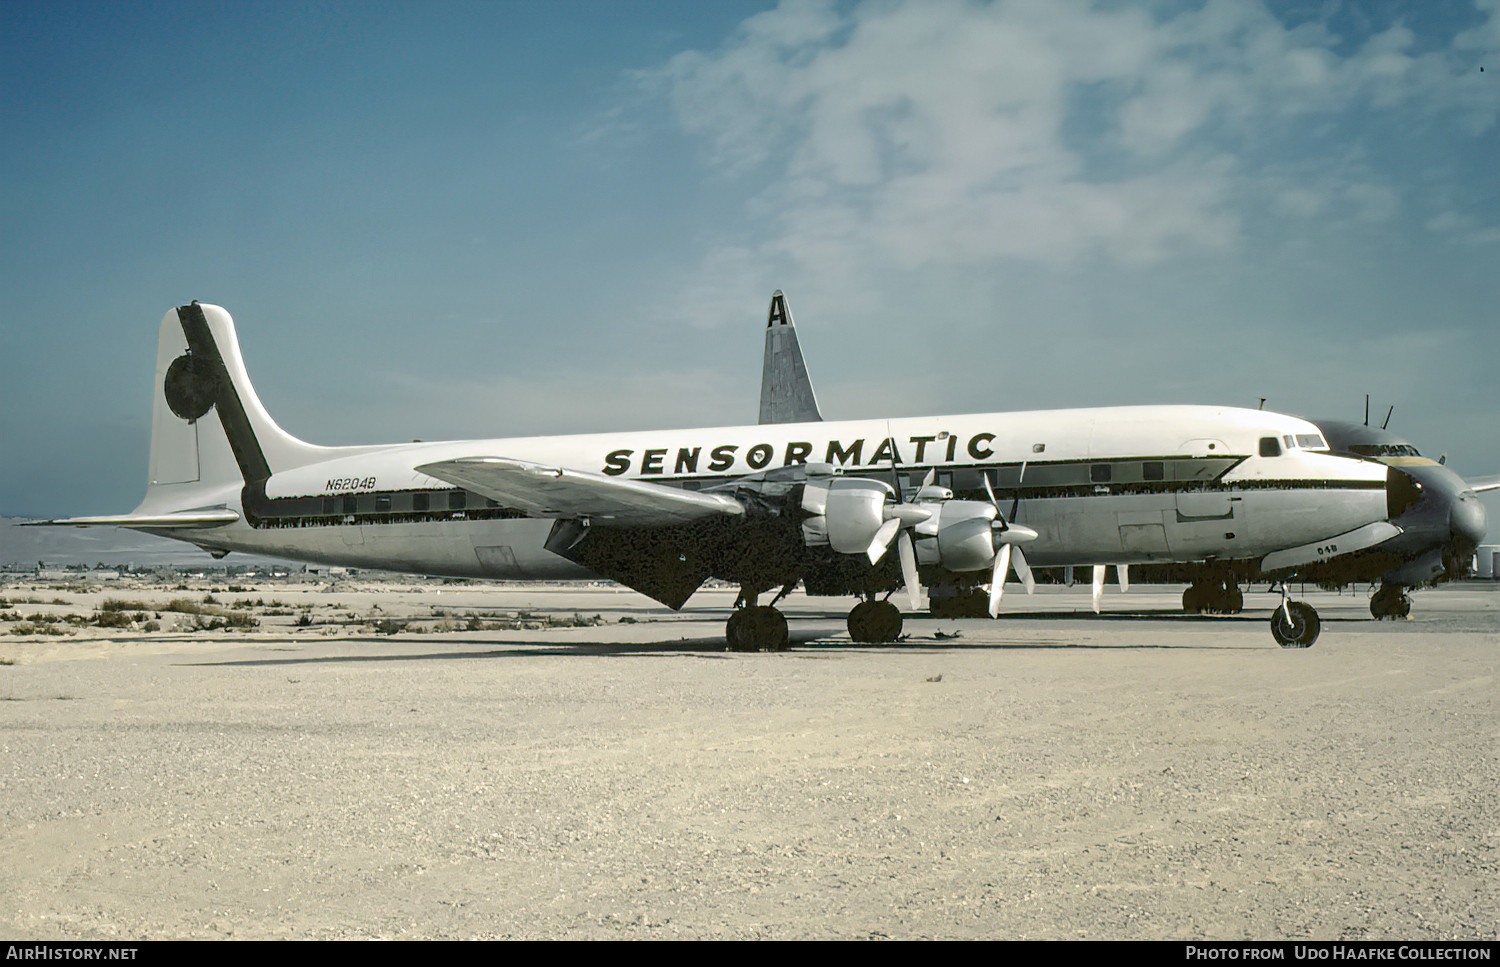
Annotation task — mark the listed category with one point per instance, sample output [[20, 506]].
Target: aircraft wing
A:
[[559, 492], [1481, 484], [1356, 540], [208, 517]]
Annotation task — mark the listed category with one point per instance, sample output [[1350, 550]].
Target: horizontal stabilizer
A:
[[557, 492], [1356, 540], [209, 517]]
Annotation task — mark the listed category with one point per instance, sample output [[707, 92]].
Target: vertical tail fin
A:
[[786, 393], [209, 431]]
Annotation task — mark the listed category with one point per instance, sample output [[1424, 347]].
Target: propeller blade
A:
[[1123, 571], [1023, 570], [1098, 586], [997, 579], [883, 538], [1017, 502], [908, 554]]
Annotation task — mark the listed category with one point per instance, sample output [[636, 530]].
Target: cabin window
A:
[[1100, 473], [456, 500], [330, 505], [349, 505], [418, 501], [966, 480], [383, 504], [1038, 448], [1153, 470], [1270, 446]]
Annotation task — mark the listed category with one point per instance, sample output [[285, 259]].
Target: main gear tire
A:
[[875, 622]]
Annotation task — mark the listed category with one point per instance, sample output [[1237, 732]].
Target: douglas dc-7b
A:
[[1236, 493]]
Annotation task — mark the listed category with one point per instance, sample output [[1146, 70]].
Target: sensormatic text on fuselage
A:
[[758, 456]]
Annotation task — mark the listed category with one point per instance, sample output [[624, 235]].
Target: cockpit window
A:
[[1303, 441], [1270, 446]]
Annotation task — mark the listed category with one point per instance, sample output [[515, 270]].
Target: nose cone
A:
[[1466, 521]]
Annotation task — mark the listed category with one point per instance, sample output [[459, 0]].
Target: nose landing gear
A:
[[1294, 624]]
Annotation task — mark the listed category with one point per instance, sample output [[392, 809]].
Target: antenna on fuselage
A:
[[1388, 416]]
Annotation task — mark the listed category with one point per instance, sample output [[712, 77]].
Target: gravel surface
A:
[[1051, 775]]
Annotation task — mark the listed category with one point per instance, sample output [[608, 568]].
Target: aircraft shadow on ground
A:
[[804, 644]]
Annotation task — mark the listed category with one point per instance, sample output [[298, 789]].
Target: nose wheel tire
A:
[[1295, 626]]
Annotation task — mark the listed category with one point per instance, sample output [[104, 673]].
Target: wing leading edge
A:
[[1359, 539]]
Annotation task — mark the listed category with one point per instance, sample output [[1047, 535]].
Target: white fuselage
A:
[[1109, 485]]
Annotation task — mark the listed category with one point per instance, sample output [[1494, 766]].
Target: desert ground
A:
[[370, 759]]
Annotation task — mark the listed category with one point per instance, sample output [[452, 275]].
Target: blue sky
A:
[[472, 220]]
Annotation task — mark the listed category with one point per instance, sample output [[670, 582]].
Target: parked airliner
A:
[[775, 504], [1433, 504]]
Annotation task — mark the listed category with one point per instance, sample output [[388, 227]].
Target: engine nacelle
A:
[[847, 512], [960, 536]]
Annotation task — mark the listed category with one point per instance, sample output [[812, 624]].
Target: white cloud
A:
[[1462, 227], [909, 134], [718, 290]]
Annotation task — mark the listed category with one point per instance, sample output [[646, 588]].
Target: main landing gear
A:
[[1390, 602], [1217, 597], [872, 622], [1294, 624], [973, 603], [756, 628]]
